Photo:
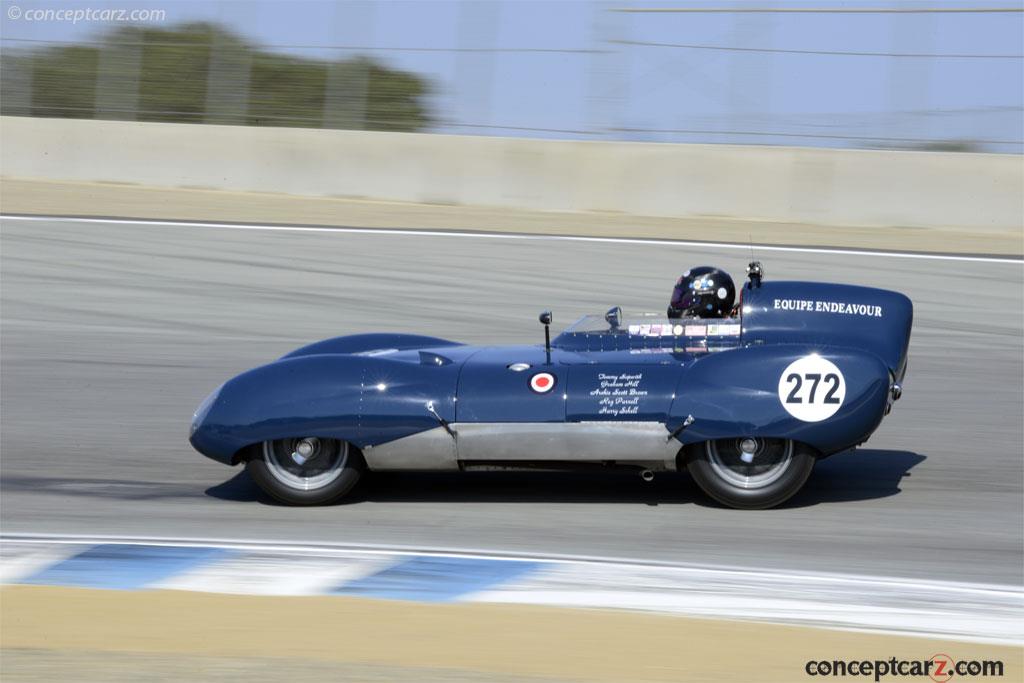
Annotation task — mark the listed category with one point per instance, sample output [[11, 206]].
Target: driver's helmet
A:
[[703, 292]]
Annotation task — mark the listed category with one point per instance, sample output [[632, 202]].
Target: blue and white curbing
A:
[[959, 611]]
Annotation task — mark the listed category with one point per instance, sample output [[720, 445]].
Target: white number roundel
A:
[[812, 388]]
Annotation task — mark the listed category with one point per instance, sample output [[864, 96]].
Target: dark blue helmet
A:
[[704, 292]]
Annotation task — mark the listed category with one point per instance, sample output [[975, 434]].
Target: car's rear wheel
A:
[[750, 473], [306, 470]]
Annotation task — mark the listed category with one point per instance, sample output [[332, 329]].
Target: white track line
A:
[[510, 236]]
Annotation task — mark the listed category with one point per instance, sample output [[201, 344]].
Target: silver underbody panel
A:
[[430, 450], [639, 443]]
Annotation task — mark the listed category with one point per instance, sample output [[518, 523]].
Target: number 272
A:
[[814, 378]]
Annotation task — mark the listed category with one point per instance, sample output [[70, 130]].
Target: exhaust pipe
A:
[[647, 475]]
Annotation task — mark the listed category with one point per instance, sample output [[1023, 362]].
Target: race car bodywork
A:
[[746, 404]]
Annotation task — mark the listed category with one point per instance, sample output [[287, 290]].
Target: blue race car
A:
[[745, 396]]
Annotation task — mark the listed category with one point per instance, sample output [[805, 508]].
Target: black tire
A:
[[777, 469], [331, 470]]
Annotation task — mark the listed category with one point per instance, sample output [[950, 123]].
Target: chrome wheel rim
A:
[[750, 463], [305, 463]]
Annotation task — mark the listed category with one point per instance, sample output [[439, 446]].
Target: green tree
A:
[[171, 67]]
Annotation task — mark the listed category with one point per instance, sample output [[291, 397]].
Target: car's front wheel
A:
[[750, 473], [306, 470]]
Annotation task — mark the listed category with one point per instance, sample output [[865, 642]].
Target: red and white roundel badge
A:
[[542, 382]]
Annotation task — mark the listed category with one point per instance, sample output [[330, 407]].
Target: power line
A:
[[728, 48], [454, 124], [362, 48], [818, 10], [255, 116], [540, 50], [683, 131]]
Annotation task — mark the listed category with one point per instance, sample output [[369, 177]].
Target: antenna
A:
[[545, 320]]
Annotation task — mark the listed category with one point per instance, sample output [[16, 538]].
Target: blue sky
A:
[[610, 85]]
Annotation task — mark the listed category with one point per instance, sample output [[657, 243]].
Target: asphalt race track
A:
[[114, 332]]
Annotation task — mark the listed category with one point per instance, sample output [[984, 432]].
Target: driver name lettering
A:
[[828, 307], [619, 394]]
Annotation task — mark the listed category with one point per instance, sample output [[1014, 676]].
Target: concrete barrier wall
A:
[[781, 184]]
